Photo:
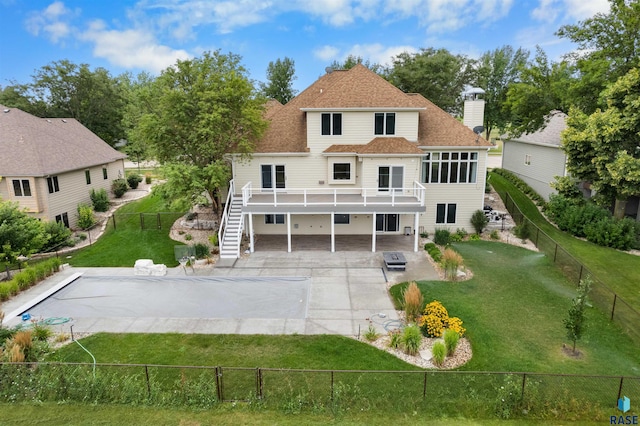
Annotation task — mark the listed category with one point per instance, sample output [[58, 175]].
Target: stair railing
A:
[[225, 214]]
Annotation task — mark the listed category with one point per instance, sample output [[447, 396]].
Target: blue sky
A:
[[149, 35]]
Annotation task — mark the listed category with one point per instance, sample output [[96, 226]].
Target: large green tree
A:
[[438, 75], [280, 76], [497, 70], [609, 46], [65, 89], [542, 88], [20, 234], [604, 147], [204, 109]]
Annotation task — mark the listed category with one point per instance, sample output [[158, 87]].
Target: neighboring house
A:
[[353, 154], [537, 158], [49, 166]]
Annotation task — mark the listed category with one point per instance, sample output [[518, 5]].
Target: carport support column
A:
[[333, 233], [416, 221], [251, 232], [373, 234], [288, 232]]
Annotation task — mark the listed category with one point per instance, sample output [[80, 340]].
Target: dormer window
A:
[[385, 123], [332, 124]]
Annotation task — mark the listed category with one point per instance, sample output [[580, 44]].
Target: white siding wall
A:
[[357, 128], [546, 163]]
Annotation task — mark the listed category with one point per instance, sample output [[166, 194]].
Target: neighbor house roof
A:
[[381, 145], [556, 122], [33, 146], [356, 88]]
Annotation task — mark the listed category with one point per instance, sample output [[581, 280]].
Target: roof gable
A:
[[556, 122], [355, 88], [35, 146]]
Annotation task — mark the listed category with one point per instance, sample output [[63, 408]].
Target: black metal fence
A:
[[144, 221], [459, 393], [602, 295]]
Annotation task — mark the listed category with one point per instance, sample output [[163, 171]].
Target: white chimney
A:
[[473, 115]]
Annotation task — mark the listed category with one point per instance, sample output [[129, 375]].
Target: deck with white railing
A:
[[333, 199]]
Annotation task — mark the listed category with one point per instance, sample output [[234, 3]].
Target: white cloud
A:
[[326, 53], [377, 53], [53, 22], [131, 48], [550, 10], [581, 9]]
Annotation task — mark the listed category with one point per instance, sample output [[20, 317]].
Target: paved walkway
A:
[[343, 290]]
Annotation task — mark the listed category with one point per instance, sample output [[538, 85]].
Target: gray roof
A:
[[556, 122], [33, 146]]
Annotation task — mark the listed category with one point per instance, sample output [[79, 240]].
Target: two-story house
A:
[[49, 166], [353, 154]]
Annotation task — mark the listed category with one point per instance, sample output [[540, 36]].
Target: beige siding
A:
[[357, 128], [411, 167], [31, 204], [75, 190], [319, 224], [545, 164]]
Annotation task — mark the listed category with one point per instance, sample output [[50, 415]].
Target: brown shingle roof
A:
[[381, 145], [33, 146], [359, 87]]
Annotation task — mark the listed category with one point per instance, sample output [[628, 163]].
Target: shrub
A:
[[433, 251], [521, 185], [371, 334], [451, 339], [41, 332], [494, 235], [100, 200], [58, 236], [119, 187], [86, 218], [451, 261], [201, 250], [424, 235], [617, 233], [413, 301], [455, 324], [411, 339], [5, 291], [474, 237], [133, 180], [188, 237], [523, 231], [147, 178], [442, 236], [24, 280], [213, 239], [479, 221], [433, 320], [395, 339], [438, 352]]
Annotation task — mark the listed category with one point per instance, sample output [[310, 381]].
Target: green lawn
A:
[[513, 309], [49, 414], [122, 246], [618, 270]]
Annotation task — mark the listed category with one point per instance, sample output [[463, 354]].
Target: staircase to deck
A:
[[231, 233]]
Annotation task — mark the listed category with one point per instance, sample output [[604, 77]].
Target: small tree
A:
[[86, 219], [575, 322], [479, 220]]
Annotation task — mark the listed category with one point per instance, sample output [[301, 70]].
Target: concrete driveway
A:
[[317, 293]]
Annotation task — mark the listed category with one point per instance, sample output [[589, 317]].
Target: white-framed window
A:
[[446, 213], [390, 178], [332, 123], [384, 123], [21, 188], [341, 219], [272, 176], [63, 218], [527, 159], [87, 176], [274, 219], [341, 171], [450, 167], [52, 184]]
